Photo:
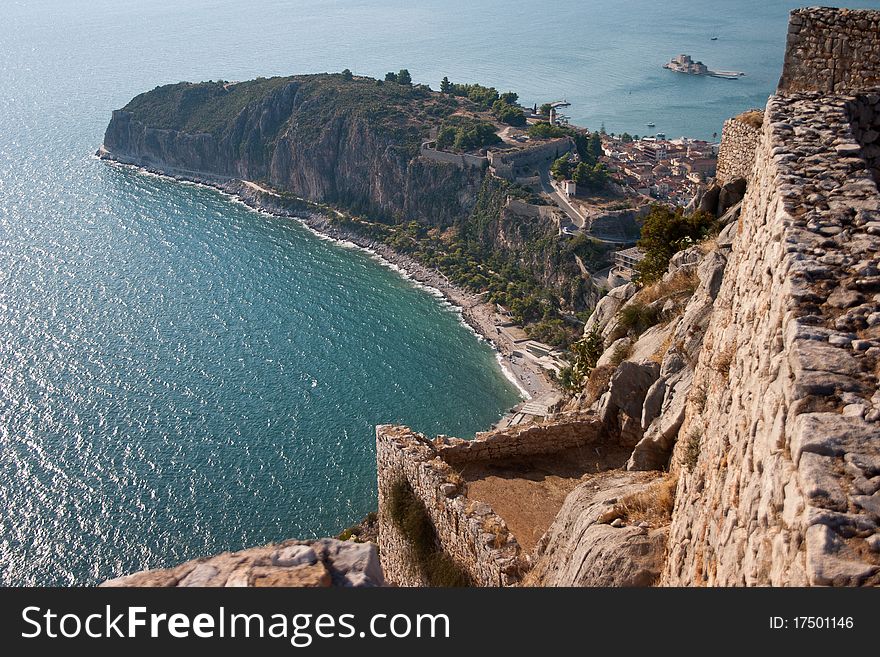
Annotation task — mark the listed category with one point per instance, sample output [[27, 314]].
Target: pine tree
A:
[[445, 85]]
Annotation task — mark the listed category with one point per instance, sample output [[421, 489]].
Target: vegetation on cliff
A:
[[665, 232], [523, 264]]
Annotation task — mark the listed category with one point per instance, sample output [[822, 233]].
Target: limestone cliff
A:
[[349, 143]]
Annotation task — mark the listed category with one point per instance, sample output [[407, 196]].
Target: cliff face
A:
[[349, 143]]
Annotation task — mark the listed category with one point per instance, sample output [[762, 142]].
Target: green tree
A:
[[390, 76], [591, 176], [509, 97], [562, 168], [594, 145], [626, 138], [403, 77], [445, 85], [545, 109], [665, 232], [543, 130], [346, 74], [507, 113]]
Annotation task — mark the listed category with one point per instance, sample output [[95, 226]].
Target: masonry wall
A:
[[469, 531], [736, 155], [832, 50], [864, 114], [512, 164], [462, 160], [779, 454]]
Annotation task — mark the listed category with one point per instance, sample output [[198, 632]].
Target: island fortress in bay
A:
[[722, 422], [684, 64]]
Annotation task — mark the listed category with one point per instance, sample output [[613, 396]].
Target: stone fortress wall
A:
[[831, 50], [523, 162], [467, 530], [785, 489], [736, 155], [462, 160]]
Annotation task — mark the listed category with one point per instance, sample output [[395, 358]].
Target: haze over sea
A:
[[180, 375]]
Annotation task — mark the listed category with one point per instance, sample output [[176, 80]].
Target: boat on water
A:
[[651, 125], [715, 38]]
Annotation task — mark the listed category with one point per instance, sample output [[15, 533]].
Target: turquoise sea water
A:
[[180, 375]]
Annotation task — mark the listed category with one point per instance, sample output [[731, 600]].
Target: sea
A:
[[181, 375]]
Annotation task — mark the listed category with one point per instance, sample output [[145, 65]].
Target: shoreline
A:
[[479, 315]]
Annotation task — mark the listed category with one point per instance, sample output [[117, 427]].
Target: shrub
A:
[[665, 232], [692, 448], [654, 504], [637, 317], [586, 352]]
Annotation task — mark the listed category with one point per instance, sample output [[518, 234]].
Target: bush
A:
[[507, 113], [692, 449], [665, 232], [462, 134], [543, 130], [637, 317]]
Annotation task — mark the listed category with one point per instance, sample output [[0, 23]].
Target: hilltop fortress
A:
[[735, 441]]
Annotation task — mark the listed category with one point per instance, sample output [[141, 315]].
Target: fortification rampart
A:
[[736, 155], [779, 455], [468, 531], [523, 162], [831, 50], [462, 160]]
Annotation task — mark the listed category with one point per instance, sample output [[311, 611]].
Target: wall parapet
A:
[[831, 50]]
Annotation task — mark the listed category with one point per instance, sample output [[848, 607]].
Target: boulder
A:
[[609, 355], [608, 307], [579, 550], [629, 385]]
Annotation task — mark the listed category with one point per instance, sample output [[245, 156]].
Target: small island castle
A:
[[685, 64]]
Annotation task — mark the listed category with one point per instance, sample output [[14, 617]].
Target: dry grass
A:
[[653, 505], [752, 118], [683, 283], [724, 359], [597, 383]]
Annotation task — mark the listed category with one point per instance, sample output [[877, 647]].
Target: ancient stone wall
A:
[[736, 155], [462, 160], [469, 531], [832, 50], [864, 114], [512, 164], [779, 452]]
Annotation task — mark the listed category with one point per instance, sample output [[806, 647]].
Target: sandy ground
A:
[[529, 494]]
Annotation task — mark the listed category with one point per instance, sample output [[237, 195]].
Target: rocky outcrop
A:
[[348, 143], [321, 563], [582, 549]]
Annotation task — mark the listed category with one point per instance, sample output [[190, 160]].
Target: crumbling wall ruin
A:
[[468, 531]]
